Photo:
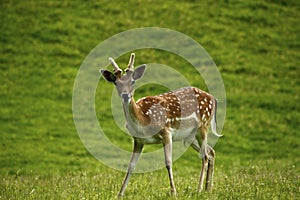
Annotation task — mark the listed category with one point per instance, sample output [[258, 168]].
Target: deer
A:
[[179, 115]]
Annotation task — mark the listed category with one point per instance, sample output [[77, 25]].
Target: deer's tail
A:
[[213, 122]]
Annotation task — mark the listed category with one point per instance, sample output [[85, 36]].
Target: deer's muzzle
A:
[[125, 97]]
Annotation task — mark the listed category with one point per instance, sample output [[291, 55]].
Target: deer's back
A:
[[181, 108]]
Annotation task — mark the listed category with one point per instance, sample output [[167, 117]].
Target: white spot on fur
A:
[[192, 116]]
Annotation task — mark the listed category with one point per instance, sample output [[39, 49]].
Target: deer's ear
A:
[[110, 77], [138, 73]]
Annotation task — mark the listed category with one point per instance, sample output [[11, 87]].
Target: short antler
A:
[[117, 69], [131, 63]]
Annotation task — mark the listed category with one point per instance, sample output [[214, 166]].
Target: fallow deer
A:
[[179, 115]]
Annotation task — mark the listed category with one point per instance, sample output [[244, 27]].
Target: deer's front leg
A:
[[168, 160], [137, 149]]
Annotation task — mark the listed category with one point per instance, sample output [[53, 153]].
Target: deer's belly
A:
[[150, 135], [149, 140], [177, 135], [182, 134]]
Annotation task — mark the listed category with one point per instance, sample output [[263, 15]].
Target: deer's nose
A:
[[125, 97]]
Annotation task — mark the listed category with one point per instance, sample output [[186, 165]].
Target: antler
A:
[[131, 62], [117, 69]]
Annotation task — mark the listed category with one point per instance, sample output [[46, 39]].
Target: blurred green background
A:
[[255, 45]]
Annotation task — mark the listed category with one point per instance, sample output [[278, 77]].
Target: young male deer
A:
[[174, 116]]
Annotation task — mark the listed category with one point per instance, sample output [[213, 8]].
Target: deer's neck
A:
[[131, 113]]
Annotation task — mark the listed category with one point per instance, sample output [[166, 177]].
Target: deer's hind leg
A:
[[210, 170], [207, 154]]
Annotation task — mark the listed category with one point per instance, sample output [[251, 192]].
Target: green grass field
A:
[[254, 44]]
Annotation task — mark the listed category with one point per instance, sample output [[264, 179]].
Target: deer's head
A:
[[124, 82]]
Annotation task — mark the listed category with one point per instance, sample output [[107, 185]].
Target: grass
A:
[[251, 182], [42, 45]]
